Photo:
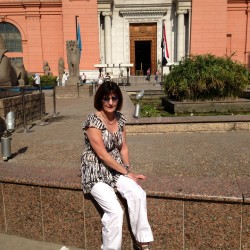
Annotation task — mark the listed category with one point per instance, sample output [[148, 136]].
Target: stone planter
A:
[[225, 106]]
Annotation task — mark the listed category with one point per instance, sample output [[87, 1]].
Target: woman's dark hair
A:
[[104, 90]]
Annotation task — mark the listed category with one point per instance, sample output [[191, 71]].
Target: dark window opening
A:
[[11, 36], [142, 56]]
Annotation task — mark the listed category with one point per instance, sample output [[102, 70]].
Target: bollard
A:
[[54, 101], [6, 147]]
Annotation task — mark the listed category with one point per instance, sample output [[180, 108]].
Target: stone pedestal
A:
[[72, 81]]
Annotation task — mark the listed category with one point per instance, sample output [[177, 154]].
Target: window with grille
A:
[[11, 36], [16, 60]]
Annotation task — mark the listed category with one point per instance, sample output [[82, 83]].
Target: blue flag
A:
[[79, 40]]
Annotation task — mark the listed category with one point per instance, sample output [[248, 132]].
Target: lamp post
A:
[[137, 105]]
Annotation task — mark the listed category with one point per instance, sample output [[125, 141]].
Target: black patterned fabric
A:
[[92, 168]]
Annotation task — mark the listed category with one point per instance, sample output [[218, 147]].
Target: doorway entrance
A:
[[143, 40], [142, 57]]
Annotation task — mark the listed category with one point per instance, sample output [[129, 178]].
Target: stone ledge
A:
[[186, 127], [206, 188], [238, 105], [36, 201]]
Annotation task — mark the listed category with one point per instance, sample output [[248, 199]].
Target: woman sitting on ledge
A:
[[105, 166]]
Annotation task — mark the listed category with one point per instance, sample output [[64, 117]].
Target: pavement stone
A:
[[11, 242]]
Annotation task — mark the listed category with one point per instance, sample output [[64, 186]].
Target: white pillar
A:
[[107, 36], [180, 35]]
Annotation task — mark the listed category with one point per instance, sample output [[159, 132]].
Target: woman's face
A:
[[109, 103]]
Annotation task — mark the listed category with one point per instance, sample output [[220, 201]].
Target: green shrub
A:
[[147, 110], [30, 80], [46, 81], [206, 77]]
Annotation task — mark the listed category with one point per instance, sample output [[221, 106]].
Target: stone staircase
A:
[[135, 80]]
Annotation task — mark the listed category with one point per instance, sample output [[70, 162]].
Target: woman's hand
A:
[[136, 177]]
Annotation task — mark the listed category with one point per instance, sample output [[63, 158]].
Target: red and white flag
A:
[[164, 46]]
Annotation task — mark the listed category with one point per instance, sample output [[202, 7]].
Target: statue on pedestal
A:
[[73, 58], [46, 68], [61, 68]]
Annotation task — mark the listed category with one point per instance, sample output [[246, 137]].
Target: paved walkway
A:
[[60, 144]]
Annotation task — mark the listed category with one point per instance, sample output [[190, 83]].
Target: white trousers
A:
[[112, 219]]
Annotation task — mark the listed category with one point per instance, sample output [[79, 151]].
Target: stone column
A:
[[180, 35], [107, 37]]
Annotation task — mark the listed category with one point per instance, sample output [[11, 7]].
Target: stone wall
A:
[[32, 104], [185, 212]]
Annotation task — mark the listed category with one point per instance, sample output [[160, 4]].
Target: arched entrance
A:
[[143, 47]]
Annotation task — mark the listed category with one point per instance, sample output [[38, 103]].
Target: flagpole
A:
[[76, 25], [162, 53]]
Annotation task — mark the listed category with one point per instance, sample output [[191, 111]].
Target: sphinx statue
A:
[[21, 73], [5, 65], [11, 74]]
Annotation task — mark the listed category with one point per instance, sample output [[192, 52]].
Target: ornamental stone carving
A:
[[107, 13], [181, 12]]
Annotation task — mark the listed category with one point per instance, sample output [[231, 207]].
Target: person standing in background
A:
[[156, 77], [64, 78], [84, 78], [148, 75], [37, 80]]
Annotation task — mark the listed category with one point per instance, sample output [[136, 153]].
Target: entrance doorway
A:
[[143, 41], [142, 56]]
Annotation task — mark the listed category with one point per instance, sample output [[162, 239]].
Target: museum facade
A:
[[112, 32], [122, 32]]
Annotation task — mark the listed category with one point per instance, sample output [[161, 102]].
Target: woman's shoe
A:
[[141, 247]]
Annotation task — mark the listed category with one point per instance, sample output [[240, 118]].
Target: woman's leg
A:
[[137, 208], [112, 218]]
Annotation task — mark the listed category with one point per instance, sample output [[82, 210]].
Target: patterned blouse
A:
[[93, 169]]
